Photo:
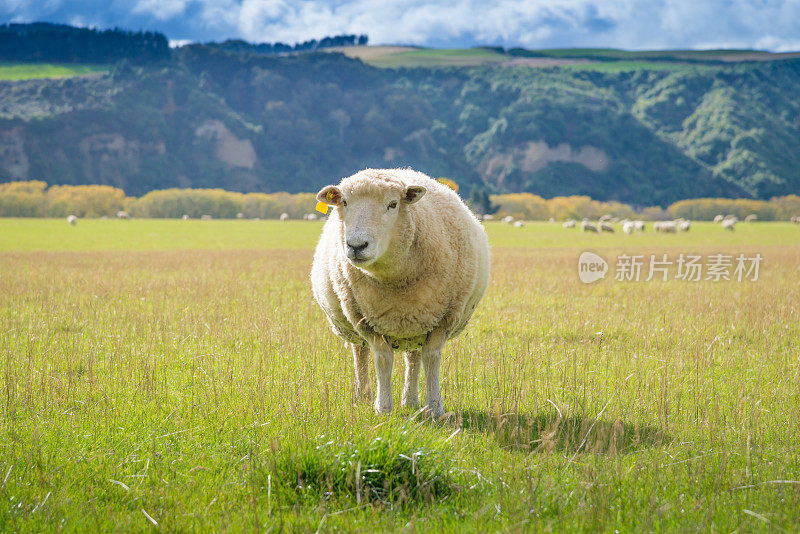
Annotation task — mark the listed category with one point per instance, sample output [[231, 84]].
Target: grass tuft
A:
[[376, 472]]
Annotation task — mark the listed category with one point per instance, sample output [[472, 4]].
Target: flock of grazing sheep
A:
[[606, 223], [73, 219]]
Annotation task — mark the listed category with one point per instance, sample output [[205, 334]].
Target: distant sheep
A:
[[71, 219], [123, 215], [284, 217], [185, 217], [488, 217], [751, 218], [310, 217], [669, 227], [569, 223], [719, 218], [684, 225], [205, 218], [588, 226], [639, 225], [729, 223], [240, 215], [628, 227], [401, 265], [606, 226], [796, 219], [508, 219], [519, 224]]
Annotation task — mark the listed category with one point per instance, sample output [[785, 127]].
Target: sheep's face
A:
[[369, 219]]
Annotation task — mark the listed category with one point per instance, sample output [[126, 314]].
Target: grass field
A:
[[30, 71], [179, 374], [598, 59], [431, 57]]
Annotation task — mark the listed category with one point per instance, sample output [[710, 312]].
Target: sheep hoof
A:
[[411, 404], [383, 407], [435, 412], [364, 395]]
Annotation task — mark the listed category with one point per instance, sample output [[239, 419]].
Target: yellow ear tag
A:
[[322, 208]]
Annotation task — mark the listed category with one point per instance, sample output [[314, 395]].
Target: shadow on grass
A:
[[553, 433]]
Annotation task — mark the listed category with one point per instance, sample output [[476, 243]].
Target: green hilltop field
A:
[[35, 71], [178, 375]]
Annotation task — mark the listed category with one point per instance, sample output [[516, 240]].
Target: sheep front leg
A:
[[384, 358], [431, 360], [360, 363], [411, 384]]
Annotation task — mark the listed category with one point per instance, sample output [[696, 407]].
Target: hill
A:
[[643, 128]]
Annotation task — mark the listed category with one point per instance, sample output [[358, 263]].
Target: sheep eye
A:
[[392, 204], [344, 203]]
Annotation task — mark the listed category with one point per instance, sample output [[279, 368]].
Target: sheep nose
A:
[[357, 247]]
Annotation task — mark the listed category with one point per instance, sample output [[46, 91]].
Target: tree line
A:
[[36, 199], [59, 43], [241, 46]]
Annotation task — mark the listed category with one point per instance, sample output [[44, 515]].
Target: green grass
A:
[[182, 370], [30, 71], [615, 53], [601, 59], [434, 57], [634, 65]]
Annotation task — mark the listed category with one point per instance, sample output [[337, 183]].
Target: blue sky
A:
[[631, 24]]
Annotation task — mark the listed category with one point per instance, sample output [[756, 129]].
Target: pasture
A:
[[32, 71], [177, 375]]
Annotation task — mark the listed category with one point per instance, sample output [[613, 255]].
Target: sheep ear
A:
[[414, 193], [330, 195]]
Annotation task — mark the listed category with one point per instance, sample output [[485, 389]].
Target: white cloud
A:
[[160, 9], [633, 24]]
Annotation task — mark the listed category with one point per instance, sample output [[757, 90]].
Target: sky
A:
[[629, 24]]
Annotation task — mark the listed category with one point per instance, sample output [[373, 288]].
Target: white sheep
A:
[[488, 217], [185, 217], [401, 265], [639, 225], [751, 218], [729, 223], [719, 218], [71, 219], [284, 217], [796, 219], [628, 227], [606, 226], [669, 227], [508, 219], [588, 226], [310, 217], [519, 224], [569, 223], [684, 225], [205, 218], [123, 215]]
